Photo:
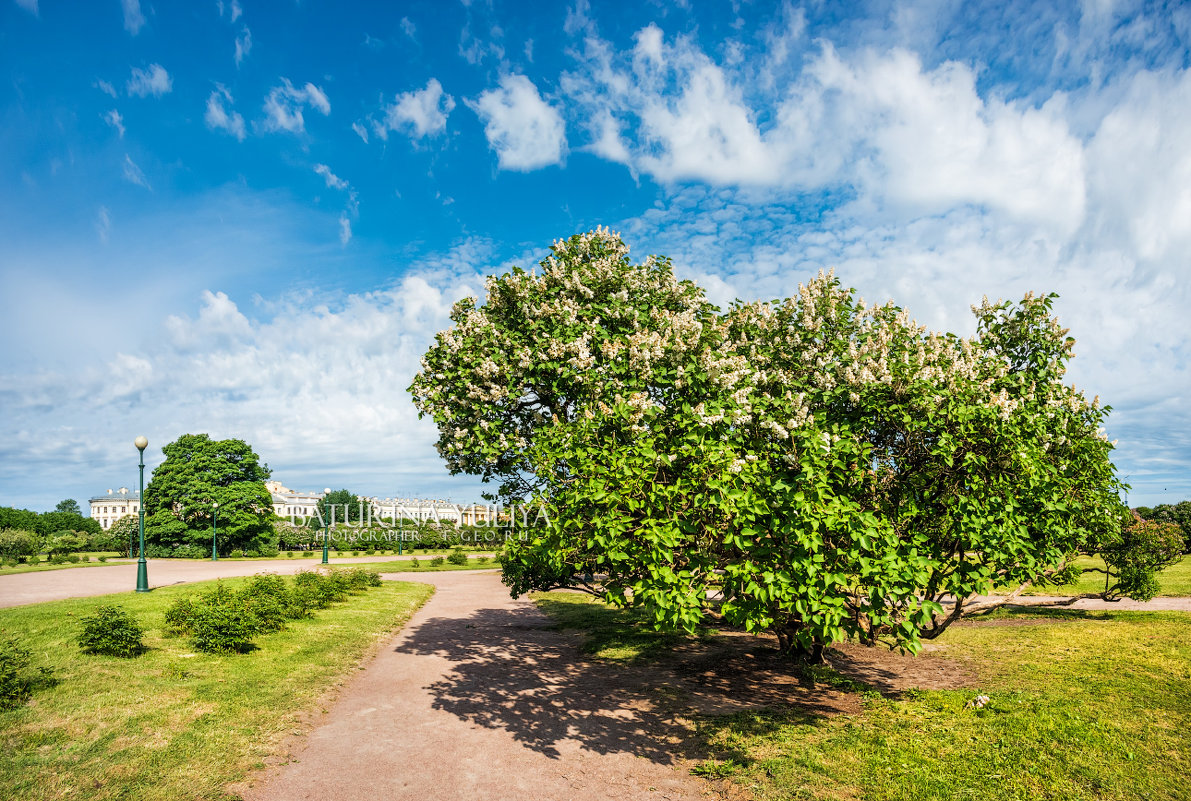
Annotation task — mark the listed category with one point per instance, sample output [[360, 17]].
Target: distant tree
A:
[[17, 544], [1177, 513], [63, 542], [23, 519], [52, 522], [339, 506], [1134, 555], [197, 473], [116, 538], [69, 505]]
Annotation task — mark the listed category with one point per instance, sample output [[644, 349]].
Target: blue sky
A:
[[249, 219]]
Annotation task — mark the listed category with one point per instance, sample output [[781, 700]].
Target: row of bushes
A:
[[221, 620], [218, 620], [56, 559]]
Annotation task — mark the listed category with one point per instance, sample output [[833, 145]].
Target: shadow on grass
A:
[[1041, 613]]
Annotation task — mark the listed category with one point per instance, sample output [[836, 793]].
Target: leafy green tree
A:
[[122, 535], [1178, 513], [64, 542], [197, 473], [68, 521], [18, 544], [23, 519], [829, 468], [338, 506], [69, 505], [1134, 554]]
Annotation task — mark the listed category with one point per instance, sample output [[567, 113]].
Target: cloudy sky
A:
[[249, 219]]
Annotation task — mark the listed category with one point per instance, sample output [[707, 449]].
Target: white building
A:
[[115, 504], [288, 503]]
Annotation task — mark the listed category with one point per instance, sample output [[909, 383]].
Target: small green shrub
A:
[[73, 558], [312, 590], [103, 558], [308, 554], [437, 561], [17, 681], [414, 562], [361, 578], [289, 554], [223, 622], [457, 557], [179, 617], [269, 598], [112, 632], [482, 559]]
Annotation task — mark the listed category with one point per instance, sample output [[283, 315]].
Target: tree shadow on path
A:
[[512, 670]]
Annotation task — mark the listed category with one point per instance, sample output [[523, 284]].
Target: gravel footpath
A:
[[56, 585], [477, 698]]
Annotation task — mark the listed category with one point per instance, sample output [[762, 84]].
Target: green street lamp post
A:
[[214, 530], [142, 570], [326, 525]]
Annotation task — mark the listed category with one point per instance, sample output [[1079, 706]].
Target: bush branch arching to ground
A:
[[831, 469]]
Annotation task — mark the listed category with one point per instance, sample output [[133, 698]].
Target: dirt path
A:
[[56, 585], [478, 699], [1160, 604]]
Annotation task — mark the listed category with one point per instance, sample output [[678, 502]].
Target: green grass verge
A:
[[113, 559], [173, 723], [1084, 705], [1173, 581]]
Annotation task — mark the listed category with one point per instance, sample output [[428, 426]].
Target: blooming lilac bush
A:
[[832, 468]]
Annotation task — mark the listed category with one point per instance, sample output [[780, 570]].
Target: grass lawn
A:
[[1084, 705], [113, 557], [173, 723], [1173, 581]]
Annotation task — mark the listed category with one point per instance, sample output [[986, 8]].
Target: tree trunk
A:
[[792, 648]]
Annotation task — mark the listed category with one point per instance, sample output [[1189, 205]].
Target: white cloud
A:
[[28, 5], [243, 44], [114, 119], [408, 28], [153, 81], [333, 180], [284, 104], [422, 112], [913, 140], [103, 223], [134, 20], [1140, 172], [315, 383], [361, 131], [525, 131], [105, 87], [217, 116], [345, 229], [232, 10], [133, 174]]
